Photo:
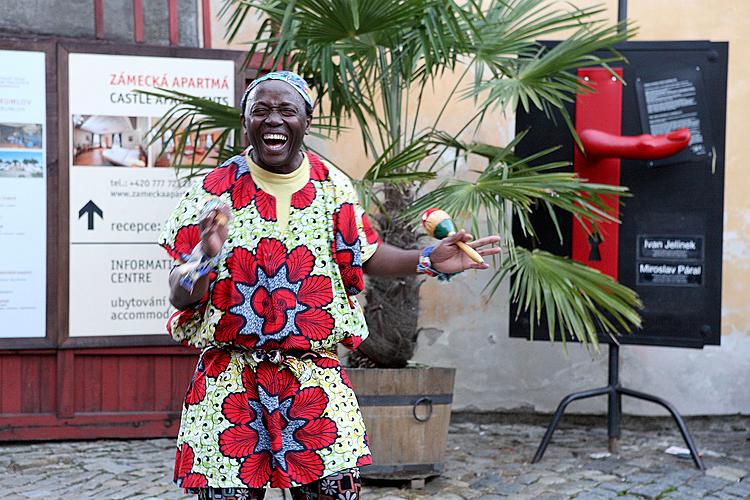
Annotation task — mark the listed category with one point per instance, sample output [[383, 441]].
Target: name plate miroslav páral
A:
[[670, 260]]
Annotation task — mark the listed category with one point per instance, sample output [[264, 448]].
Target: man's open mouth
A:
[[274, 141]]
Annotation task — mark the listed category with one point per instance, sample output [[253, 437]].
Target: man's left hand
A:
[[448, 258]]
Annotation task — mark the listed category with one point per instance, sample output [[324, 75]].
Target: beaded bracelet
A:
[[198, 264], [424, 266]]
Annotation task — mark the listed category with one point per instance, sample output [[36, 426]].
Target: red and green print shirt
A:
[[255, 421]]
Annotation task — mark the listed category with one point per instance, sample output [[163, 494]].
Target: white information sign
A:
[[122, 190], [23, 194]]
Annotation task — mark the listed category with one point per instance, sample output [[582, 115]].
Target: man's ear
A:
[[308, 121], [244, 125]]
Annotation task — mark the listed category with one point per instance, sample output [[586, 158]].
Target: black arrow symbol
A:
[[90, 208]]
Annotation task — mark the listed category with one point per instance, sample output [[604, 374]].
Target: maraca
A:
[[438, 224], [211, 203]]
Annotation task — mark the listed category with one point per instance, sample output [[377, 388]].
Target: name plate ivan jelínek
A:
[[670, 260]]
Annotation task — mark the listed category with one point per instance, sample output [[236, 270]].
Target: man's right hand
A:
[[214, 230]]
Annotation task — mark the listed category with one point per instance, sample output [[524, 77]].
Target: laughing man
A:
[[265, 285]]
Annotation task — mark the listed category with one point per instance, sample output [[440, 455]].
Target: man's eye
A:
[[289, 112], [260, 112]]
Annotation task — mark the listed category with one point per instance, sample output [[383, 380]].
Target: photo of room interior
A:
[[109, 140], [21, 135]]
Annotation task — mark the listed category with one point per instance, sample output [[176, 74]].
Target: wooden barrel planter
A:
[[407, 413]]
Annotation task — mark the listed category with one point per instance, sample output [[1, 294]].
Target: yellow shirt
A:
[[280, 186]]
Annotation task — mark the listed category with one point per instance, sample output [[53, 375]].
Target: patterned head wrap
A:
[[297, 82]]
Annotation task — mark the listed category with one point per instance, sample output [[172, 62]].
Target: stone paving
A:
[[485, 461]]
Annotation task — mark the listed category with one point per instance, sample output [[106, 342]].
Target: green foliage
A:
[[195, 115], [578, 299], [510, 184], [374, 62]]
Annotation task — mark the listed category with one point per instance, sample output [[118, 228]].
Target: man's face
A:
[[276, 123]]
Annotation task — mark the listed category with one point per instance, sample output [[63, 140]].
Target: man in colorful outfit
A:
[[265, 284]]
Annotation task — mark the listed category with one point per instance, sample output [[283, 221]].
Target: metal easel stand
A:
[[614, 392]]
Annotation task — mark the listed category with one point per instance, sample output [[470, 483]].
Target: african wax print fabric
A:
[[269, 404], [344, 485]]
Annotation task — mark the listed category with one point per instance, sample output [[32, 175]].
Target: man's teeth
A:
[[274, 137]]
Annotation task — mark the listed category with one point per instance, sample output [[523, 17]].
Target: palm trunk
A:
[[392, 309]]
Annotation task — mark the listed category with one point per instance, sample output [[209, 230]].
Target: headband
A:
[[293, 79]]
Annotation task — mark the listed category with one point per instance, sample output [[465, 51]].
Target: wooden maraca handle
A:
[[473, 254], [221, 219]]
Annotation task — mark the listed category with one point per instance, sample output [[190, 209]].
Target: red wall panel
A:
[[10, 396], [27, 383], [118, 383], [104, 392]]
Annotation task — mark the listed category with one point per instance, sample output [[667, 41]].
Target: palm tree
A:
[[367, 60]]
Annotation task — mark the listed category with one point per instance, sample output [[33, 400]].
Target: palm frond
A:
[[543, 77], [351, 51], [579, 301], [395, 161], [511, 183], [396, 166], [187, 119]]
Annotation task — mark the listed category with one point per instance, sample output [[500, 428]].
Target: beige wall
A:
[[464, 330], [252, 24]]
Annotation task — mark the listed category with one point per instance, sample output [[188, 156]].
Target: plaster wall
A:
[[464, 329]]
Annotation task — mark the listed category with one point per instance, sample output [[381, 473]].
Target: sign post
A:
[[23, 194], [122, 188], [83, 284]]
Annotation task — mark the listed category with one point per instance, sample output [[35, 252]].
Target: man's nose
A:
[[274, 118]]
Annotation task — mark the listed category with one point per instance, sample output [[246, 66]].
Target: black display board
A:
[[670, 239]]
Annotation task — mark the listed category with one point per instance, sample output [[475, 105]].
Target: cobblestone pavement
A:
[[485, 461]]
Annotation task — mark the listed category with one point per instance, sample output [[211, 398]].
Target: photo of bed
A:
[[109, 141]]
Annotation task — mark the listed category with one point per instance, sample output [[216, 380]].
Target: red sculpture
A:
[[599, 144]]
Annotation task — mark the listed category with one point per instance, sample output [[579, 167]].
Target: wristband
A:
[[198, 265], [424, 266]]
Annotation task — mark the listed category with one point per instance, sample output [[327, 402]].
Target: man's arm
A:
[[447, 257], [181, 298], [392, 261]]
